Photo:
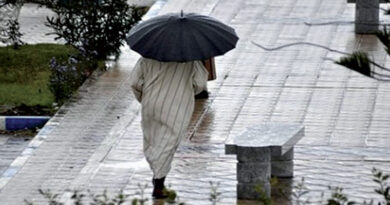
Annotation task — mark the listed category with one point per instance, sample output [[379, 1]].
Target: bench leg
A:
[[366, 16], [283, 166], [253, 172]]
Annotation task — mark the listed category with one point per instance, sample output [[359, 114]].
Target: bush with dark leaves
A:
[[95, 25], [10, 29], [65, 78]]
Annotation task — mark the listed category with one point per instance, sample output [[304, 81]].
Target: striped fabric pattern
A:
[[166, 92]]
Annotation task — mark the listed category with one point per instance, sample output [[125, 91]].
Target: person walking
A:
[[166, 92], [168, 76]]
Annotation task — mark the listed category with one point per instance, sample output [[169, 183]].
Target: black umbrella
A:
[[181, 37]]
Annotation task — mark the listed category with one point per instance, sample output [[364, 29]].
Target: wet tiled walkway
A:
[[11, 147], [95, 141]]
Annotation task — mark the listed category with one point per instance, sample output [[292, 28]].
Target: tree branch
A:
[[319, 46], [300, 43]]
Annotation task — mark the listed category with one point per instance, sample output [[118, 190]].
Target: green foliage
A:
[[33, 94], [78, 198], [171, 195], [5, 2], [215, 194], [358, 61], [51, 198], [10, 30], [13, 34], [27, 77], [384, 37], [95, 28], [338, 197], [25, 73], [104, 199], [263, 197], [142, 200], [65, 78], [300, 190], [98, 26], [384, 187]]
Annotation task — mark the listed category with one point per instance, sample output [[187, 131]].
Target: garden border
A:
[[18, 163], [14, 123]]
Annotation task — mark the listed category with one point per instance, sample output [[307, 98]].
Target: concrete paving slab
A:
[[86, 145]]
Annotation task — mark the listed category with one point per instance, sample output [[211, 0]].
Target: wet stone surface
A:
[[10, 148], [86, 146]]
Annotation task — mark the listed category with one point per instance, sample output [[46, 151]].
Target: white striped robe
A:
[[166, 92]]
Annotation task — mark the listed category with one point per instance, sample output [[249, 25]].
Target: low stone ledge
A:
[[13, 123]]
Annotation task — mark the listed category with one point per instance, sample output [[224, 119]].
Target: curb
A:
[[13, 123]]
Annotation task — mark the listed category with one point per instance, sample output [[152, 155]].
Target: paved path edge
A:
[[51, 124]]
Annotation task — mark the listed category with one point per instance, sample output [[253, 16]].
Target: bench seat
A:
[[263, 151]]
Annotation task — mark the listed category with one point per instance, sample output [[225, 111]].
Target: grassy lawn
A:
[[24, 73]]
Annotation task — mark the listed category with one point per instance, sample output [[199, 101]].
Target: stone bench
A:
[[263, 151], [366, 15]]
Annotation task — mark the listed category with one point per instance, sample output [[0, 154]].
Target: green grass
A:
[[24, 73]]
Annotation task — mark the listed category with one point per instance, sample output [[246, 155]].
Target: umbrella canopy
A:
[[181, 37]]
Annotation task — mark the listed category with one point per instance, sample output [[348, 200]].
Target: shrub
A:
[[10, 30], [98, 26], [13, 34], [65, 78], [337, 197], [79, 198], [360, 62]]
